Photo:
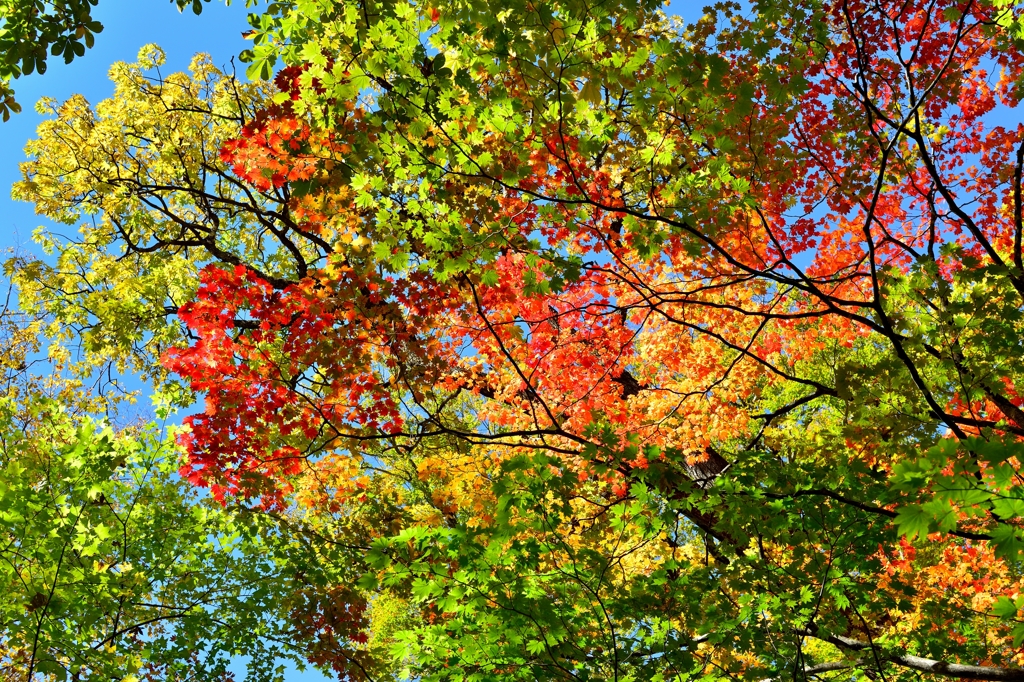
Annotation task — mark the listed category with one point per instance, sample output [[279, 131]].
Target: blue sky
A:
[[128, 25]]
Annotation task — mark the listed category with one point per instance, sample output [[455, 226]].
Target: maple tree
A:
[[614, 348], [111, 566]]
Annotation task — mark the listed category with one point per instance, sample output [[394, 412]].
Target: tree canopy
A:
[[558, 341]]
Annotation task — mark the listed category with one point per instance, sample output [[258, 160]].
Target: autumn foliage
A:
[[611, 348]]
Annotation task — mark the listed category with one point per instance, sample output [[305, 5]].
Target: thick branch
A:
[[927, 665]]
